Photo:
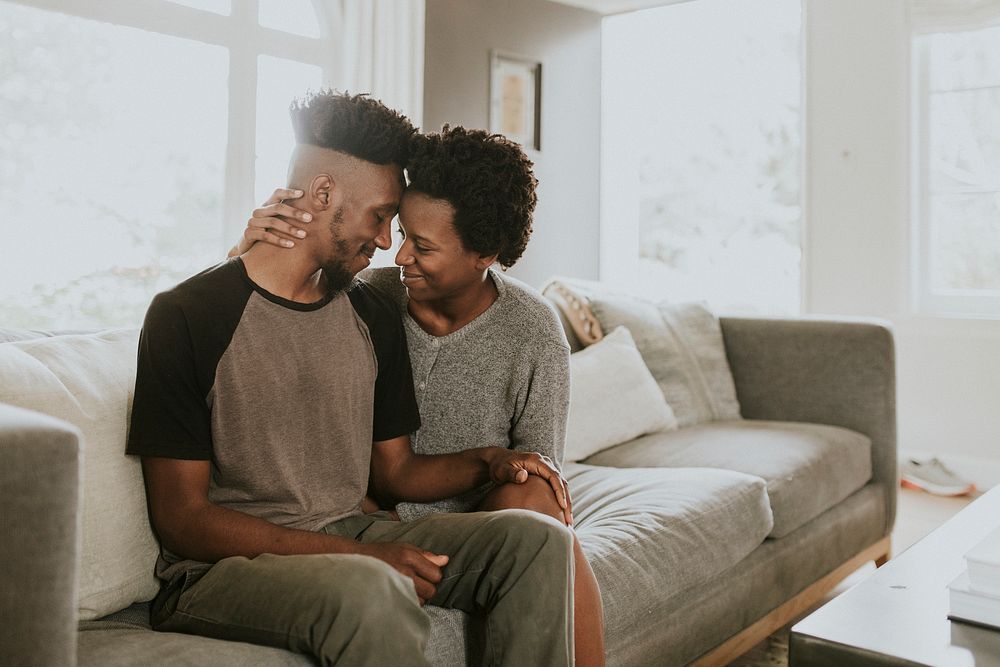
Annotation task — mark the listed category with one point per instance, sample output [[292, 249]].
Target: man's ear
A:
[[484, 262], [321, 192]]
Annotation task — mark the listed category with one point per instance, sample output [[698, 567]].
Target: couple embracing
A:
[[325, 452]]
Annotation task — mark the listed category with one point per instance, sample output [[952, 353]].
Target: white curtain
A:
[[929, 16], [379, 49]]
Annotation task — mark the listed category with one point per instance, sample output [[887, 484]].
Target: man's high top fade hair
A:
[[354, 124], [487, 179]]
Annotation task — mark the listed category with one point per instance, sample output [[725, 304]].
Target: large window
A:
[[135, 137], [701, 153], [957, 175]]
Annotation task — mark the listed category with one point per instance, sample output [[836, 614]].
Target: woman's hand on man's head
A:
[[275, 222]]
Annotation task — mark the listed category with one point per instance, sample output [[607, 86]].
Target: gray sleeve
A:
[[541, 425]]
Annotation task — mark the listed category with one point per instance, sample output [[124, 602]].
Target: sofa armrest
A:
[[841, 373], [40, 547]]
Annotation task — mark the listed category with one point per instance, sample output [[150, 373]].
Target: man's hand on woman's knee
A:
[[515, 467], [534, 494]]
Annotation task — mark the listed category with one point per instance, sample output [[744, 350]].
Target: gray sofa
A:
[[703, 539]]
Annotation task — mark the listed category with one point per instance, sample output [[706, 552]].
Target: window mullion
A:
[[150, 15], [290, 47], [922, 245], [241, 147]]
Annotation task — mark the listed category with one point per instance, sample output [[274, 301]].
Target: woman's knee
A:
[[534, 494]]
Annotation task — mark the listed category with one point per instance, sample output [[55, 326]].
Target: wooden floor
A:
[[917, 514]]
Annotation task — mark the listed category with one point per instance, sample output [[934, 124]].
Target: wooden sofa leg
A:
[[882, 560]]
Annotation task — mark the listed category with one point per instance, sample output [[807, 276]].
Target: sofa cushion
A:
[[125, 638], [14, 335], [612, 398], [119, 645], [681, 344], [87, 381], [651, 533], [809, 468]]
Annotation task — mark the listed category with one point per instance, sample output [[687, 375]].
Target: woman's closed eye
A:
[[416, 246]]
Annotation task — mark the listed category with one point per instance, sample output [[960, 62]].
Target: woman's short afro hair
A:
[[354, 124], [487, 179]]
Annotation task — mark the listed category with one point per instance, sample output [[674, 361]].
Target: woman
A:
[[490, 360]]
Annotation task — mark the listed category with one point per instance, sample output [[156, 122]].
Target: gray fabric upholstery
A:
[[136, 614], [809, 468], [835, 373], [40, 544], [651, 534], [107, 644], [681, 344], [447, 645], [683, 348], [125, 638], [108, 641], [13, 335], [704, 617], [823, 372]]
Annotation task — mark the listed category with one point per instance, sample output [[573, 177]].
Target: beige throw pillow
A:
[[575, 312], [613, 397], [88, 380]]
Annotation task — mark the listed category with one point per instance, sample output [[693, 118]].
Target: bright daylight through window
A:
[[114, 148], [707, 94], [957, 97]]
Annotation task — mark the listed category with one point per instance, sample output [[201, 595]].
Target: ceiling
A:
[[616, 6]]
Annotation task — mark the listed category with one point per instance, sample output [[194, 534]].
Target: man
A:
[[258, 507]]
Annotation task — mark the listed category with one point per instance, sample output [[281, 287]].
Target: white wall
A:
[[858, 231], [856, 144], [567, 41]]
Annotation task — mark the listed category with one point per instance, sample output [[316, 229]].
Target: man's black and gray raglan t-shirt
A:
[[284, 398]]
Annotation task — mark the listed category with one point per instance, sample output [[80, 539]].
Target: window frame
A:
[[245, 39], [926, 301]]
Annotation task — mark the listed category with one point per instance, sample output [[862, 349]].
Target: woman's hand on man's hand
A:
[[275, 222]]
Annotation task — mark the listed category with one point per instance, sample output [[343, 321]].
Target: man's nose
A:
[[384, 239]]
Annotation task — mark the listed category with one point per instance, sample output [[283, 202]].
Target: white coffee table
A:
[[898, 615]]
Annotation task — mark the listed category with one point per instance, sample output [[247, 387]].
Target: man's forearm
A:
[[210, 533], [426, 478]]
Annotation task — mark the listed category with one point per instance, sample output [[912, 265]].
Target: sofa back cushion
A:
[[87, 380], [681, 344]]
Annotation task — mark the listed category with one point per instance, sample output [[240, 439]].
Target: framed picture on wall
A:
[[515, 98]]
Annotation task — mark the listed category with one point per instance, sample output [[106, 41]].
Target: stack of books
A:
[[974, 596]]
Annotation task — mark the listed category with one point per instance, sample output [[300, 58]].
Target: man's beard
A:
[[338, 275]]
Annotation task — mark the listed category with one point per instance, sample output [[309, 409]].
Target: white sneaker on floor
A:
[[934, 477]]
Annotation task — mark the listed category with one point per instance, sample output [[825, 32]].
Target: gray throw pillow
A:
[[682, 346]]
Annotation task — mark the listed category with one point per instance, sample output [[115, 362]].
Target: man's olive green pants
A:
[[512, 568]]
